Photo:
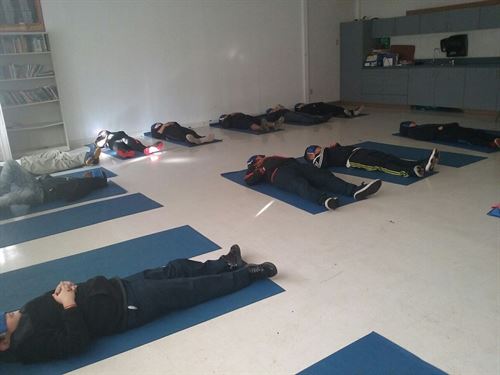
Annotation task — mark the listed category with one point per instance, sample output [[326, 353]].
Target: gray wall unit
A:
[[383, 27], [388, 86], [489, 17], [407, 25], [482, 88], [421, 86], [449, 87], [396, 82], [463, 19], [433, 22]]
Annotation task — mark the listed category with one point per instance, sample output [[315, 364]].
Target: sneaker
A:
[[157, 147], [262, 271], [348, 113], [364, 190], [496, 142], [92, 156], [279, 123], [357, 111], [209, 138], [432, 161], [192, 139], [264, 125], [233, 258], [332, 203], [125, 154], [419, 171]]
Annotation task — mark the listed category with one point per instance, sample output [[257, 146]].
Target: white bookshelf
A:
[[32, 119]]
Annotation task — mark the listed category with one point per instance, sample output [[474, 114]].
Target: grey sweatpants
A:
[[53, 161]]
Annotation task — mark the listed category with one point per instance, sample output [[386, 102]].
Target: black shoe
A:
[[262, 271], [364, 190], [233, 258], [331, 203]]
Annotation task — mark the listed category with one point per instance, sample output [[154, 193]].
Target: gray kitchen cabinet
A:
[[463, 19], [433, 22], [449, 87], [498, 89], [489, 17], [482, 88], [372, 81], [407, 25], [385, 85], [396, 82], [351, 57], [421, 86], [383, 27]]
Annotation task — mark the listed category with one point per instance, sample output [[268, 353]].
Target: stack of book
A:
[[23, 43], [17, 71], [17, 12], [40, 94]]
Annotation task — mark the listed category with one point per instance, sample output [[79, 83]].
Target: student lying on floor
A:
[[19, 187], [325, 109], [370, 160], [317, 185], [291, 117], [451, 132], [124, 145], [63, 322], [242, 121], [176, 132]]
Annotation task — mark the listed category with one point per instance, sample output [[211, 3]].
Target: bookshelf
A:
[[32, 119]]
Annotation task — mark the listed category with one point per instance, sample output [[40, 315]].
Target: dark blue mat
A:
[[81, 173], [372, 355], [495, 212], [182, 143], [464, 145], [450, 159], [248, 131], [284, 196], [32, 228], [111, 190], [123, 259]]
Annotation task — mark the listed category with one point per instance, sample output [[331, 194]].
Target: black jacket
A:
[[334, 156], [266, 169]]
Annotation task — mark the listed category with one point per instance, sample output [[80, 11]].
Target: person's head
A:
[[254, 159], [408, 124], [102, 138], [276, 108], [222, 117], [311, 152], [8, 324]]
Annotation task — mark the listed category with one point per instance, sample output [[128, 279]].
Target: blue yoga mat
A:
[[96, 172], [372, 355], [109, 191], [182, 143], [464, 145], [248, 131], [32, 228], [495, 212], [450, 159], [122, 259], [284, 196]]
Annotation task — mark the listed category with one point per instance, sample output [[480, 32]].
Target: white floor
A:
[[418, 264]]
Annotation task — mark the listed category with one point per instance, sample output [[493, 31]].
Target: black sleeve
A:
[[254, 175]]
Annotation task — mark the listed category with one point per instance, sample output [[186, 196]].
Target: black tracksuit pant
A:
[[323, 109], [173, 131], [295, 117], [311, 183], [451, 132], [372, 160], [239, 121], [123, 142]]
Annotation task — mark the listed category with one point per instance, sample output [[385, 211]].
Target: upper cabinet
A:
[[383, 27], [433, 22], [489, 17], [407, 25], [463, 19]]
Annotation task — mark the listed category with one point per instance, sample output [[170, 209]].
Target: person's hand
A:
[[65, 293]]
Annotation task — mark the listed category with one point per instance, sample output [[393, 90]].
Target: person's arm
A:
[[255, 174]]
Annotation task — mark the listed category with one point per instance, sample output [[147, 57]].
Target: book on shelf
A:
[[23, 43], [39, 94], [17, 12], [18, 71]]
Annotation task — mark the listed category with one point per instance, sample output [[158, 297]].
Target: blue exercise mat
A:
[[372, 355], [284, 196], [464, 145], [494, 212], [15, 232], [450, 159], [96, 172], [182, 143], [109, 191], [122, 259], [248, 131]]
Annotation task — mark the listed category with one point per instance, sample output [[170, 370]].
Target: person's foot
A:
[[357, 111], [233, 258], [432, 161], [262, 271], [264, 125], [125, 154], [419, 171], [331, 203], [496, 142], [209, 138], [192, 139], [157, 147], [348, 113], [364, 190], [92, 156], [279, 123]]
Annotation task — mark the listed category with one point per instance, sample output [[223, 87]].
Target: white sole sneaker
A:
[[432, 161], [192, 139], [368, 189], [209, 138]]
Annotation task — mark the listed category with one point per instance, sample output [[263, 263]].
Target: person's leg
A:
[[333, 110], [326, 180], [372, 160], [27, 190], [303, 118], [13, 173], [473, 136], [53, 161], [133, 144], [123, 150]]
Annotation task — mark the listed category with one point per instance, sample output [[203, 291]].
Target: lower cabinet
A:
[[386, 86], [421, 86], [449, 87], [482, 86]]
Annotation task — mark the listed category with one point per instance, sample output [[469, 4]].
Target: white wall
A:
[[126, 64], [323, 35]]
